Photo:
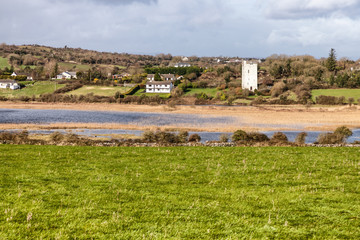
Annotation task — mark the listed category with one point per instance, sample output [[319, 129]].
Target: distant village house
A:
[[67, 75], [182, 64], [11, 84], [164, 77], [159, 86]]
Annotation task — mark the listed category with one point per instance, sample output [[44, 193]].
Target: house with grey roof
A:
[[11, 84]]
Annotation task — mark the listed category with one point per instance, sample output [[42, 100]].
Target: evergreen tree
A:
[[157, 77], [55, 70], [331, 61]]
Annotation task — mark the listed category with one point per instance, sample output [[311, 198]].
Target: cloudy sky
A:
[[243, 28]]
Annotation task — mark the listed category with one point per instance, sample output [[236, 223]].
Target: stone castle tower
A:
[[249, 75]]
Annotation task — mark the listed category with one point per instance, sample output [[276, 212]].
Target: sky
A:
[[243, 28]]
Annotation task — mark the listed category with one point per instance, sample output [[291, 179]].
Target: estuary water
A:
[[134, 118], [98, 116]]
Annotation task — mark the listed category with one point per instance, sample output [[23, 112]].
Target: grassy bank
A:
[[99, 90], [179, 192], [36, 89], [347, 93], [4, 63]]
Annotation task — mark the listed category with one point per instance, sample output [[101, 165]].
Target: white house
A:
[[168, 77], [249, 75], [66, 75], [165, 77], [159, 86], [12, 84], [150, 77], [13, 74], [182, 64]]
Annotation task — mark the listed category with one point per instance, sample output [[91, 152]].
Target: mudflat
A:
[[250, 118]]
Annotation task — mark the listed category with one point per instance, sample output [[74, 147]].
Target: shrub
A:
[[257, 137], [278, 89], [351, 100], [202, 95], [258, 100], [300, 138], [330, 138], [165, 137], [344, 131], [56, 137], [239, 135], [279, 137], [330, 100], [149, 136], [69, 87], [182, 136], [224, 137], [194, 138]]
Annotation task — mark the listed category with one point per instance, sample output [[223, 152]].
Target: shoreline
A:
[[249, 118]]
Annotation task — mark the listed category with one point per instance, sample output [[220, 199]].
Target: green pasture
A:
[[161, 95], [36, 89], [4, 63], [54, 192], [99, 90], [347, 93]]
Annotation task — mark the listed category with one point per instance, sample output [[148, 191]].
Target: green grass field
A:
[[161, 95], [53, 192], [99, 90], [211, 92], [36, 89], [4, 63], [347, 93]]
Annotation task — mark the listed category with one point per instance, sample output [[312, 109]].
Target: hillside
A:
[[282, 79]]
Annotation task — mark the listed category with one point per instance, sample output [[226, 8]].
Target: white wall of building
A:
[[249, 75]]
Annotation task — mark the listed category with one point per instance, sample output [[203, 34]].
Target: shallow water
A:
[[137, 118]]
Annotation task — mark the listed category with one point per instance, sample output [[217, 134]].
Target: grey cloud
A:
[[121, 2], [302, 9], [113, 2]]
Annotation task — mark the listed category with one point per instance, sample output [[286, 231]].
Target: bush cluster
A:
[[68, 88], [337, 137], [330, 100], [167, 137]]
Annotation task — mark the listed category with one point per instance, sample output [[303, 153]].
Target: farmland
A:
[[36, 89], [99, 90], [347, 93], [179, 192], [4, 63]]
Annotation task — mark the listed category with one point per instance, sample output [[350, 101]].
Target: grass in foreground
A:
[[347, 93], [36, 89], [99, 90], [179, 192]]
